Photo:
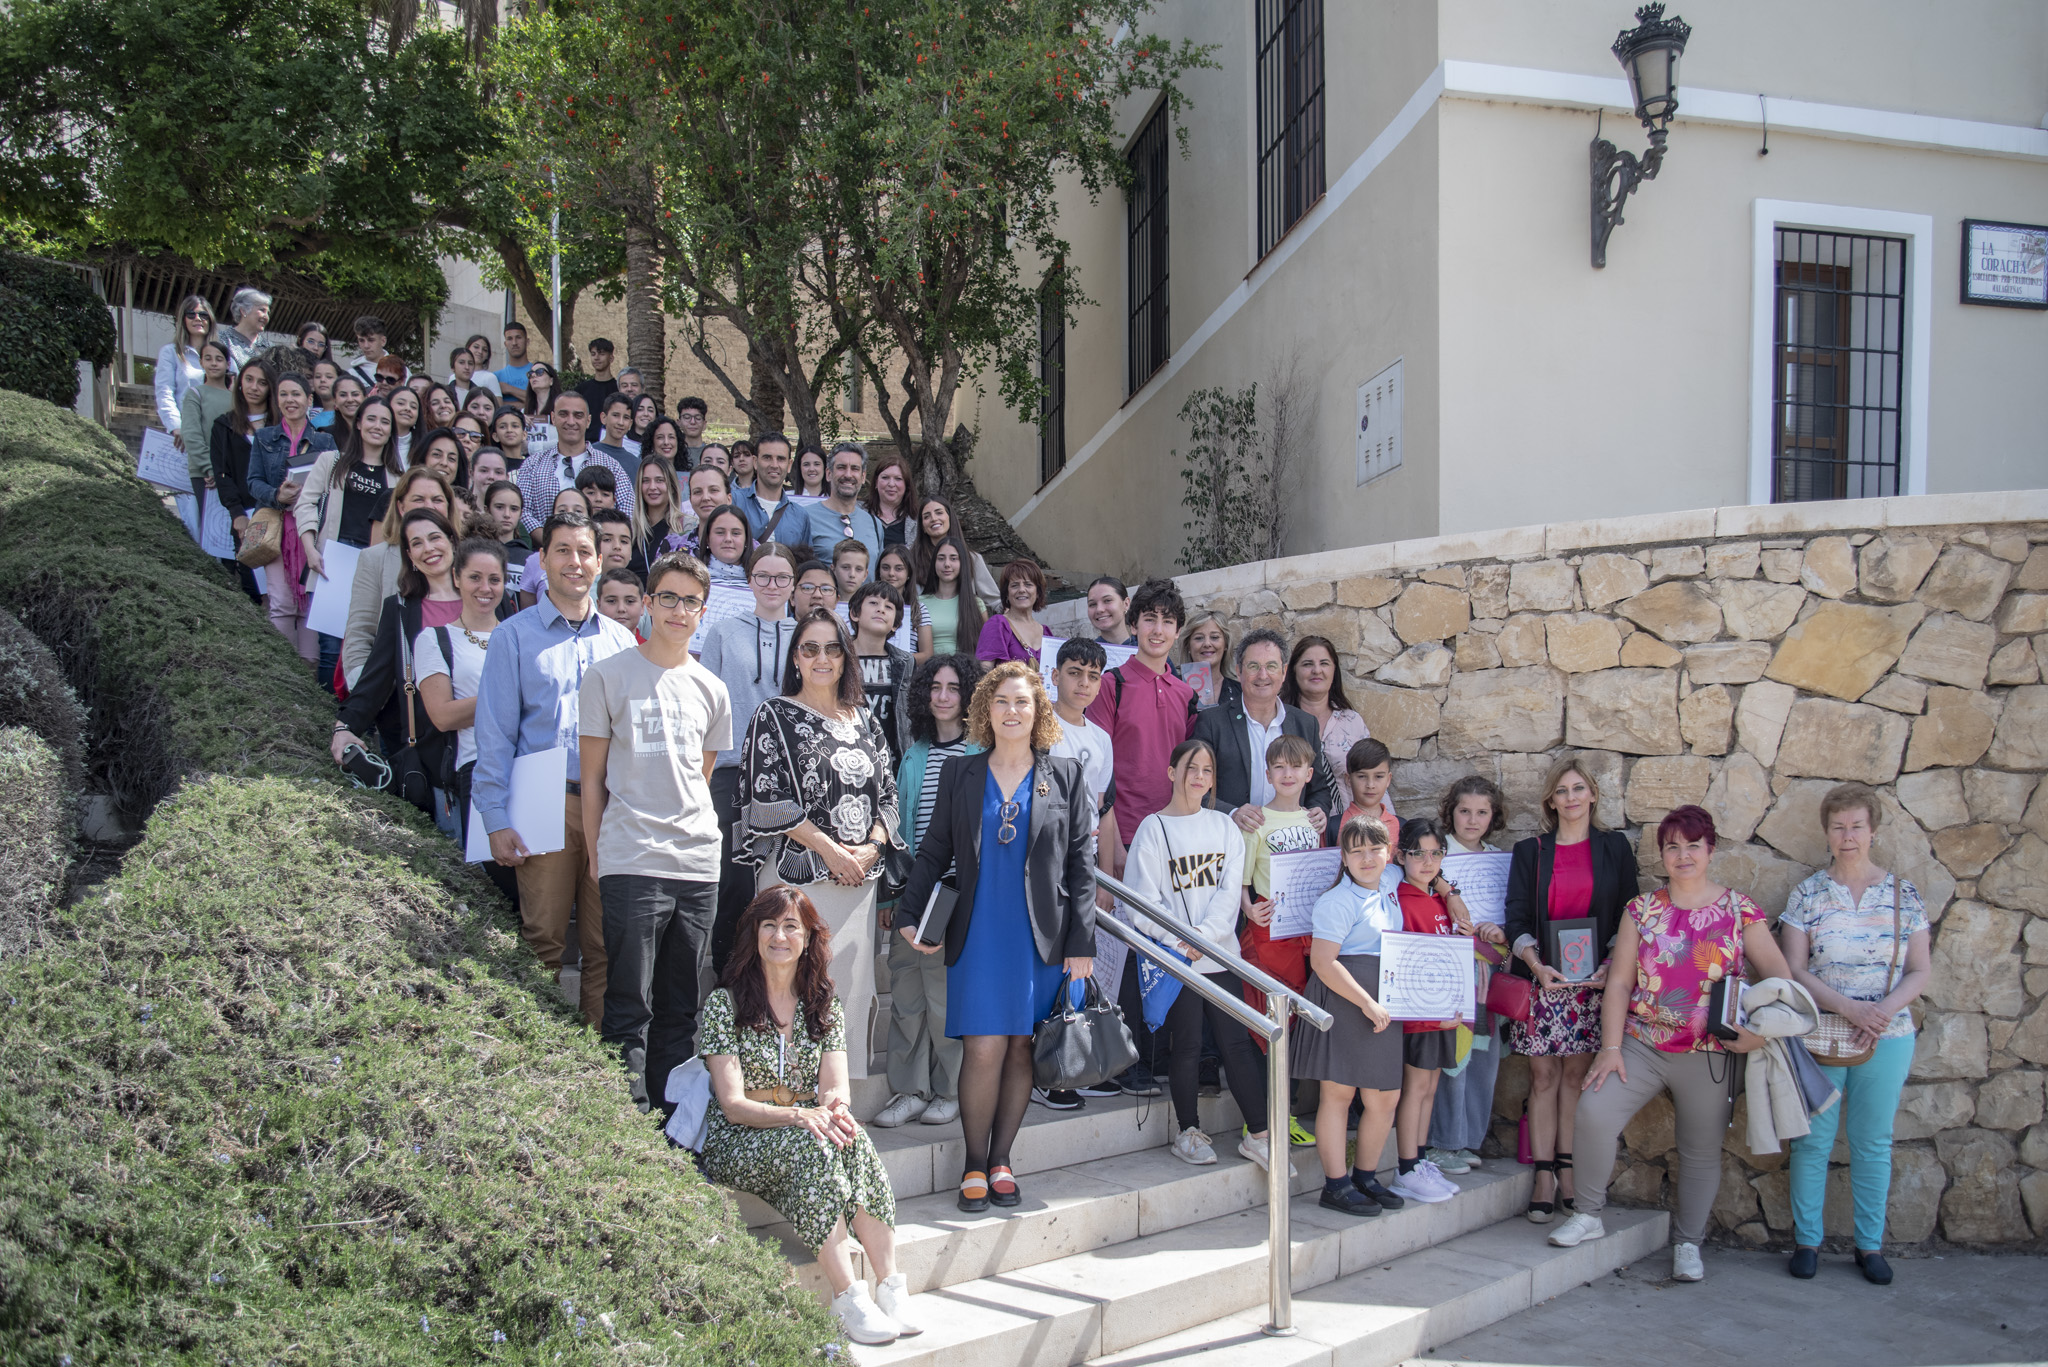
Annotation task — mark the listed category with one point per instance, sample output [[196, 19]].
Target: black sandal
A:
[[1540, 1212], [1563, 1161]]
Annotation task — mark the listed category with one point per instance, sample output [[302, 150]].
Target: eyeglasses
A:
[[831, 650], [687, 602], [197, 313], [468, 438], [774, 581], [814, 588]]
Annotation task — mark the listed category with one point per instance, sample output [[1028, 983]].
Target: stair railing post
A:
[[1279, 1166]]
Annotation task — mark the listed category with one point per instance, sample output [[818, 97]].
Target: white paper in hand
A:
[[163, 463], [328, 612], [540, 787]]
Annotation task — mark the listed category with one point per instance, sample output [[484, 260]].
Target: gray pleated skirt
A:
[[1351, 1053]]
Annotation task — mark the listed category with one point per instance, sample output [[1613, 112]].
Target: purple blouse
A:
[[999, 642]]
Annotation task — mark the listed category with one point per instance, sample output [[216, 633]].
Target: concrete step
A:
[[1409, 1305], [1111, 1299]]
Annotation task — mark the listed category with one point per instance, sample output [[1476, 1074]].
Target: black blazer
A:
[[1614, 887], [378, 699], [1059, 883], [1223, 726]]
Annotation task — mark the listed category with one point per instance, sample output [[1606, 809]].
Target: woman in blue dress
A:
[[1018, 916]]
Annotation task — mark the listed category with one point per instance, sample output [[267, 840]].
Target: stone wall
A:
[[1747, 659]]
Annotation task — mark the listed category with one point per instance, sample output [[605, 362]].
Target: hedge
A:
[[38, 817], [289, 1089], [50, 320]]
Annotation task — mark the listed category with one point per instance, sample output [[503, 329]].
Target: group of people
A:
[[809, 736]]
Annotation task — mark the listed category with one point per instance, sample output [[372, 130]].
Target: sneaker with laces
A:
[[1259, 1149], [944, 1110], [1471, 1159], [1448, 1160], [901, 1110], [1106, 1088], [1056, 1100], [1192, 1146], [861, 1318], [892, 1294], [1415, 1185], [1297, 1137], [1436, 1176], [1137, 1080], [1685, 1263], [1578, 1230]]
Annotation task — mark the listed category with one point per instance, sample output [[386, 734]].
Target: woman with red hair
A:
[[1674, 944], [780, 1125]]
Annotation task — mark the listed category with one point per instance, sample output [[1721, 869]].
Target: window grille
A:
[[1290, 114], [1052, 374], [1839, 366], [1146, 252]]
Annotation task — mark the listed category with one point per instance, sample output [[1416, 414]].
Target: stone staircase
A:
[[1122, 1254]]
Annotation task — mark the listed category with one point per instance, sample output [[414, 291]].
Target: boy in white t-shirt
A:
[[1077, 678]]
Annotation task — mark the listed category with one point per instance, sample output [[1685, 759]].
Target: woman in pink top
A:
[[1016, 635]]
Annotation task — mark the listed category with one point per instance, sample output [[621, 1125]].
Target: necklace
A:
[[480, 642]]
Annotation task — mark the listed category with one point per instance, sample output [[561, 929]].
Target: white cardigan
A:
[[1193, 868]]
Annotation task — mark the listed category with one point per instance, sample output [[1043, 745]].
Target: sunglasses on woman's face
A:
[[831, 650]]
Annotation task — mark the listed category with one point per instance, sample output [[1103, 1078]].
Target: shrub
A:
[[34, 695], [50, 320], [37, 818]]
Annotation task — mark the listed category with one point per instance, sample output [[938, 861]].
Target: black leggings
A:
[[1243, 1068]]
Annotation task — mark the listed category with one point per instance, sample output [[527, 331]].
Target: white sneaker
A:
[[861, 1318], [944, 1110], [1436, 1175], [892, 1294], [1416, 1185], [1448, 1160], [901, 1110], [1685, 1263], [1192, 1146], [1578, 1230]]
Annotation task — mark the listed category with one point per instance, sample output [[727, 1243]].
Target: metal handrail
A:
[[1251, 976], [1282, 1004]]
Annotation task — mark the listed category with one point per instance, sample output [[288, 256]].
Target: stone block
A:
[[1398, 717], [2024, 612], [1260, 603], [1893, 566], [1304, 596], [1503, 709], [2010, 1101], [1760, 719], [1634, 711], [1605, 579], [2008, 544], [1950, 1045], [1488, 587], [1842, 740], [1451, 576], [2034, 1199], [1781, 565], [1643, 651], [1936, 799], [1679, 611], [1756, 610], [1735, 1203], [2014, 663], [1425, 665], [1727, 662], [1897, 693], [1793, 823], [1950, 649], [1603, 770], [1738, 797], [1774, 1191], [2033, 575], [1654, 1131], [2021, 740], [1829, 567], [1966, 582], [1843, 648], [1706, 720], [1733, 559], [1928, 1108], [1764, 875], [1637, 1184], [2019, 877], [1915, 1197], [1351, 630], [1475, 650], [2030, 1041], [2034, 1147], [1975, 968], [1967, 851], [2035, 938], [1996, 796], [1658, 784], [1541, 586], [1982, 1203], [1579, 643], [1677, 562], [1431, 612], [1367, 591], [1956, 730], [1521, 642]]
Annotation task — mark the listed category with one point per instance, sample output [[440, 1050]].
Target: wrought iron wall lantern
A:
[[1649, 53]]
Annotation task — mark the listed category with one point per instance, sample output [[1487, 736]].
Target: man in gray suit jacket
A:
[[1239, 729]]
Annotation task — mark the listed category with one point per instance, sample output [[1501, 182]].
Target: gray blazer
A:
[[1223, 726]]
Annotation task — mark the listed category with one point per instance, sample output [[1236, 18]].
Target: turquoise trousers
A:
[[1870, 1100]]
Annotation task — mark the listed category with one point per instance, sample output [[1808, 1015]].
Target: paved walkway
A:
[[1948, 1310]]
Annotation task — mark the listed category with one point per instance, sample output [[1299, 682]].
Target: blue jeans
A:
[[330, 655], [1870, 1098], [1464, 1104]]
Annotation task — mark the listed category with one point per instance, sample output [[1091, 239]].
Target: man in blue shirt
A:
[[765, 503], [512, 379], [526, 703], [840, 517]]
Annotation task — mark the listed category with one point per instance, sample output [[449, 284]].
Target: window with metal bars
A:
[[1290, 114], [1052, 374], [1839, 366], [1146, 252]]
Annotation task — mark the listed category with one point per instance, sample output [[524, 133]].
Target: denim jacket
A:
[[270, 459]]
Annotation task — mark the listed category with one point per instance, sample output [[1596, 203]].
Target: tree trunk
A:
[[765, 389], [981, 522], [646, 329]]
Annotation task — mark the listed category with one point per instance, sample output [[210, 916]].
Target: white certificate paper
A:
[[540, 786], [1482, 881], [1299, 878], [726, 600], [1427, 977], [328, 612], [162, 463]]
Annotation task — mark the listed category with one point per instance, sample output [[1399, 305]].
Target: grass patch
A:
[[288, 1089], [37, 813]]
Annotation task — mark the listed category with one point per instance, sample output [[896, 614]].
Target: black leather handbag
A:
[[1080, 1046]]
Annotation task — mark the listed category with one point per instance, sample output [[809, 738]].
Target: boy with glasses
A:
[[816, 588]]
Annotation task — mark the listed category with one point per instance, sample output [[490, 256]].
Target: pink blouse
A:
[[1681, 954], [999, 642]]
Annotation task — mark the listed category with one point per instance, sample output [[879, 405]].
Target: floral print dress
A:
[[798, 765], [1681, 954], [809, 1182]]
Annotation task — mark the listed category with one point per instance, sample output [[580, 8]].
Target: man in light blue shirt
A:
[[765, 503], [840, 517], [526, 703]]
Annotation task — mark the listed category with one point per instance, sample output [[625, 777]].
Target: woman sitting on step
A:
[[773, 1038]]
